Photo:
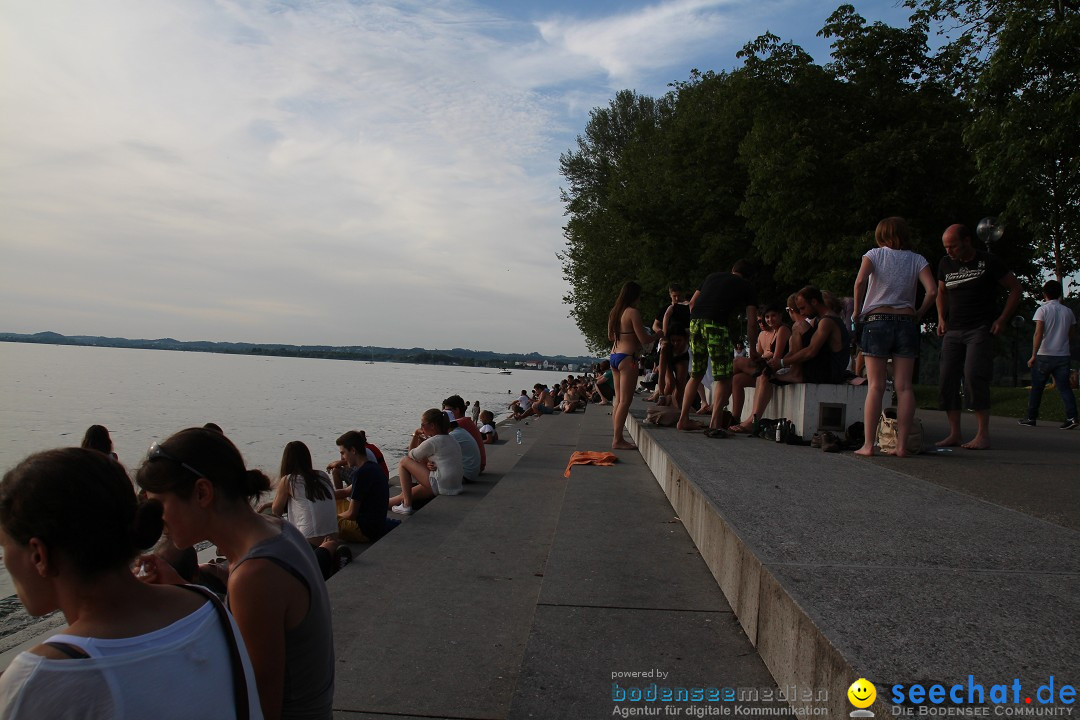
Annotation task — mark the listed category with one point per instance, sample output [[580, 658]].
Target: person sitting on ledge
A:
[[470, 450], [774, 342], [368, 492], [812, 354], [488, 430], [826, 358], [456, 405], [434, 463], [544, 404]]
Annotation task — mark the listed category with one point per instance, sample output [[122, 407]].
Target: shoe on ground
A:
[[1070, 424], [1029, 423], [342, 557], [402, 509]]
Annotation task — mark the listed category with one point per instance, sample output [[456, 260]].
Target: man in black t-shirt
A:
[[720, 296], [969, 284]]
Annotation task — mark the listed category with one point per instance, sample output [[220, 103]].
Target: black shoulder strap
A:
[[72, 651], [240, 690]]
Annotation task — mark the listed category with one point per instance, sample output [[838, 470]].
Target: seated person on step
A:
[[772, 344], [488, 430], [434, 463], [367, 494]]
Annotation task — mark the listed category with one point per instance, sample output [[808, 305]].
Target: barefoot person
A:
[[885, 310], [969, 283], [720, 296], [628, 335], [70, 525]]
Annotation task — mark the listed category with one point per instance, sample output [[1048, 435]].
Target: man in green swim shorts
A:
[[720, 296]]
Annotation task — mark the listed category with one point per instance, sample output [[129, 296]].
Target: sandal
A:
[[715, 433]]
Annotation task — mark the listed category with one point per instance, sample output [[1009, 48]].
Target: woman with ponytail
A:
[[276, 591], [70, 526]]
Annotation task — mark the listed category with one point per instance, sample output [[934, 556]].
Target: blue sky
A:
[[322, 171]]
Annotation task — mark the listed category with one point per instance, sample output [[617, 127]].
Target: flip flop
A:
[[715, 433]]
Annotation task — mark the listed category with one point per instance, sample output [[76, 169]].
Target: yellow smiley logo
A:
[[862, 693]]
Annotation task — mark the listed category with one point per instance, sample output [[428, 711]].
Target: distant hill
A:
[[422, 356]]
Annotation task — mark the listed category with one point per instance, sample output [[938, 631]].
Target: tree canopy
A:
[[792, 163]]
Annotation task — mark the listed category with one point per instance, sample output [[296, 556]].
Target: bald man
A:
[[970, 282]]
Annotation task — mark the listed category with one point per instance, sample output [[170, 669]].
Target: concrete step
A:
[[433, 620], [841, 567]]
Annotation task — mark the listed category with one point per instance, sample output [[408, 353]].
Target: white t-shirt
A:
[[1056, 320], [470, 454], [894, 280], [445, 452], [524, 402], [180, 671], [313, 518], [487, 430]]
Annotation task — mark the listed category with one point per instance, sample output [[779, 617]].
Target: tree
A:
[[1019, 67]]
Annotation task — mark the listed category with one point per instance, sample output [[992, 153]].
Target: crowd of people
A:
[[874, 340], [148, 634]]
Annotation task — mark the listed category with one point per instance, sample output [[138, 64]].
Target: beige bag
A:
[[665, 416], [886, 433]]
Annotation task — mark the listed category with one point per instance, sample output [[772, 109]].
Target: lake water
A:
[[50, 394]]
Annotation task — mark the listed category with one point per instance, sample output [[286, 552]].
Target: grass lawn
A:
[[1004, 402]]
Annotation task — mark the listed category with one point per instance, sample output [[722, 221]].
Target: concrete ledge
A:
[[792, 647], [812, 406], [840, 567]]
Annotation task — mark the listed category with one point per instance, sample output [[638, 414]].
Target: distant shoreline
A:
[[356, 353]]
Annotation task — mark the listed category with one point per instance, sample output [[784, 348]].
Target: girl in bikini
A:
[[628, 335]]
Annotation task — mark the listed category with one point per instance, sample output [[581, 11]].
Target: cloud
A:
[[319, 171]]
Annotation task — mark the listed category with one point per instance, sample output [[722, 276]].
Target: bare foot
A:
[[742, 427], [865, 451], [690, 426], [623, 445], [977, 443], [900, 453], [951, 441], [705, 409]]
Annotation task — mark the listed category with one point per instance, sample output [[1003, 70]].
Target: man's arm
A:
[[942, 302], [817, 341], [752, 332], [1007, 281], [1036, 342]]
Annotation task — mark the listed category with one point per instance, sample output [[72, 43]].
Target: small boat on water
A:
[[504, 371]]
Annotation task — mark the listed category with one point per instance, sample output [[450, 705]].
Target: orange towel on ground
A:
[[590, 457]]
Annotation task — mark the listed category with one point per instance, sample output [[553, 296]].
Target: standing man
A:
[[1055, 326], [969, 283], [720, 296]]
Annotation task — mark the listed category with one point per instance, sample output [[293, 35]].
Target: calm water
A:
[[50, 394]]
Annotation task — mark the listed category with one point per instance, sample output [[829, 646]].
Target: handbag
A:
[[887, 429]]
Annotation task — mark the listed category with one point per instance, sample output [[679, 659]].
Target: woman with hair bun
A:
[[70, 525], [276, 591]]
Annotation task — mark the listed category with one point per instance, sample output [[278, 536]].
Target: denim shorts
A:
[[890, 336]]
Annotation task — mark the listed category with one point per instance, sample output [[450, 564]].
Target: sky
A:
[[332, 172]]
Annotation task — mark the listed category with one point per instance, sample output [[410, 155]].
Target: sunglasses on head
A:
[[156, 451]]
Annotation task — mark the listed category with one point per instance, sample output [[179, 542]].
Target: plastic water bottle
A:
[[517, 436], [780, 429]]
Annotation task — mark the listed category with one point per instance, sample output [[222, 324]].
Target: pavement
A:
[[924, 570], [534, 595]]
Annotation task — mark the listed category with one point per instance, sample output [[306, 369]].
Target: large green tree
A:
[[1018, 64]]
